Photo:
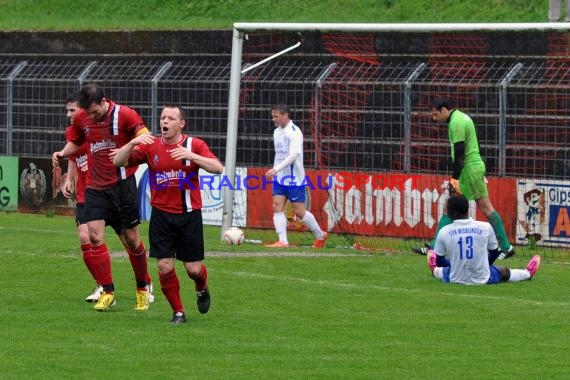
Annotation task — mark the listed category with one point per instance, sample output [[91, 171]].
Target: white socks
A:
[[280, 223], [438, 273], [519, 275], [310, 221], [516, 274]]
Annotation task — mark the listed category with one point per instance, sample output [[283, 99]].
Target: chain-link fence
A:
[[32, 108], [355, 115]]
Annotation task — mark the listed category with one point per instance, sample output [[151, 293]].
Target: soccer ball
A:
[[234, 236]]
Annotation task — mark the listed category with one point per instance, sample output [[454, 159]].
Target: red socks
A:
[[200, 280], [170, 287], [101, 261], [88, 259], [138, 261]]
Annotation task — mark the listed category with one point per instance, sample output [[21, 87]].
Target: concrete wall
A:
[[219, 43], [135, 42]]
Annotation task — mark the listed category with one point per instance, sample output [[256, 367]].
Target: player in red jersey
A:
[[176, 229], [75, 183], [110, 193]]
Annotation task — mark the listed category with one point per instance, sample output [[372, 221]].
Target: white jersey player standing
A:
[[465, 250], [288, 176]]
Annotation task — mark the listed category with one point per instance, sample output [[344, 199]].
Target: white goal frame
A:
[[240, 29]]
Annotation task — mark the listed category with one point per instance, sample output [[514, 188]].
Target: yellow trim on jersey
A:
[[143, 131]]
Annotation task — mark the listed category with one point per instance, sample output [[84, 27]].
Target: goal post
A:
[[232, 131], [456, 62]]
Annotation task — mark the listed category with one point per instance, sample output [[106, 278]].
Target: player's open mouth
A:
[[164, 129]]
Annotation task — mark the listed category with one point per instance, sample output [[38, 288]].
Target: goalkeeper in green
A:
[[468, 177]]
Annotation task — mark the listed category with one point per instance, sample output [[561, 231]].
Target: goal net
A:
[[377, 165]]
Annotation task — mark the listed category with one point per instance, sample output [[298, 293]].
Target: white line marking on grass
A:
[[393, 289], [325, 254], [285, 254], [114, 254], [59, 231], [558, 262]]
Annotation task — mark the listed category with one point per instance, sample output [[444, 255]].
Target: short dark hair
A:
[[72, 98], [181, 110], [439, 103], [90, 94], [282, 108], [457, 207]]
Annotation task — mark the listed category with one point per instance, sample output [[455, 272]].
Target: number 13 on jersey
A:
[[465, 247]]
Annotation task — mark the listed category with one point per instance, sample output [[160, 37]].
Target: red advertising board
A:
[[386, 204]]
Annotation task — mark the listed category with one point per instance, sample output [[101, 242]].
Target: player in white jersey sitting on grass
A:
[[465, 250]]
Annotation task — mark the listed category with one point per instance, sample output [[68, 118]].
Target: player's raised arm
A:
[[121, 156], [210, 164]]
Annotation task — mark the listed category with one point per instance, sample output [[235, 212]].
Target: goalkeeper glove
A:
[[453, 187]]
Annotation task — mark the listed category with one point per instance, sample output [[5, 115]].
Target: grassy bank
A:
[[221, 14]]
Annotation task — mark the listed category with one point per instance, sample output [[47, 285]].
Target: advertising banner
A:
[[543, 212], [387, 204], [40, 187], [212, 188], [8, 183]]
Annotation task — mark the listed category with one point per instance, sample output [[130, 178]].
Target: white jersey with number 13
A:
[[466, 243]]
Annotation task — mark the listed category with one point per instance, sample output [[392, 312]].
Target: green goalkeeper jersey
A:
[[462, 128]]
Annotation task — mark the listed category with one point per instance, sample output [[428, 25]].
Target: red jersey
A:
[[174, 184], [119, 126]]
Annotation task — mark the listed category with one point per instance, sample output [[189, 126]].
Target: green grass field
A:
[[341, 314], [221, 14], [294, 315]]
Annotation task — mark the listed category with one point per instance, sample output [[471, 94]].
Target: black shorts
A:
[[118, 206], [80, 218], [176, 235], [80, 213]]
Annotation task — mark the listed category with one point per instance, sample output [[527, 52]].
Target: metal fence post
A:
[[154, 95], [9, 104], [503, 106], [86, 70], [318, 85], [408, 114]]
